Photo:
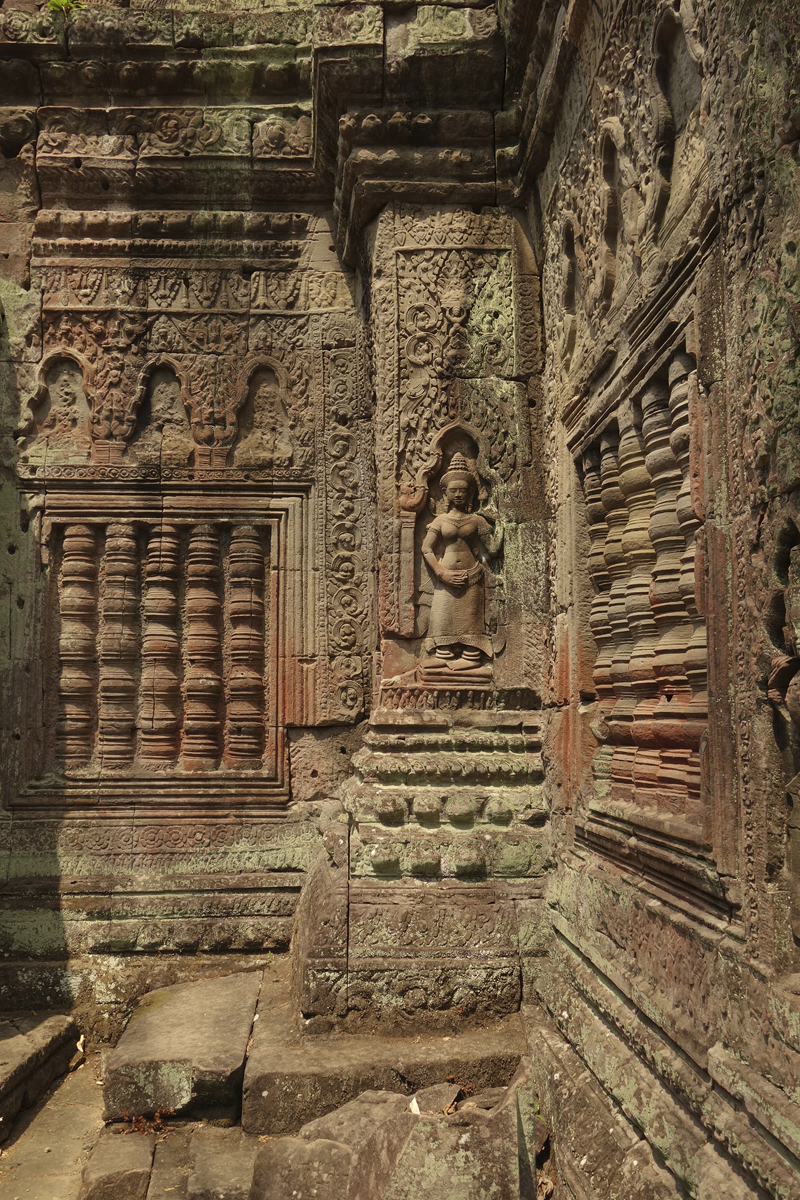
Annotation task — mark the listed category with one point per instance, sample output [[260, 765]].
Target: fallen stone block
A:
[[355, 1121], [119, 1167], [469, 1155], [441, 1098], [184, 1050]]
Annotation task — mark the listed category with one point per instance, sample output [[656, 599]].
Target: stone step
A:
[[381, 1145], [34, 1050], [184, 1051], [291, 1078]]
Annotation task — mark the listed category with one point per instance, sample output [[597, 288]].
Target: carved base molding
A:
[[659, 1086], [426, 895]]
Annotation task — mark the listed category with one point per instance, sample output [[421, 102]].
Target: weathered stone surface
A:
[[51, 1145], [307, 1168], [385, 1145], [400, 475], [353, 1122], [169, 1175], [459, 1156], [221, 1164], [184, 1050], [119, 1167], [441, 1098]]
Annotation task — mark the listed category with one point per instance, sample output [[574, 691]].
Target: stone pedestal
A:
[[448, 846]]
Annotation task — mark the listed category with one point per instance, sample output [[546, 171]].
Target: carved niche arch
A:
[[54, 423], [447, 441], [263, 412], [292, 386], [175, 441]]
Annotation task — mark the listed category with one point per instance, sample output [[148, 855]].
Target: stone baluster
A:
[[665, 597], [667, 538], [682, 381], [244, 732], [598, 531], [614, 510], [118, 648], [621, 643], [637, 489], [77, 647], [202, 725], [160, 690]]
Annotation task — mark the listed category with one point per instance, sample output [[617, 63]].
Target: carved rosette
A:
[[244, 731], [77, 597], [160, 691], [202, 726], [119, 647]]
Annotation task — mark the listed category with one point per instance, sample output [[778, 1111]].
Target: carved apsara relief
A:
[[446, 361]]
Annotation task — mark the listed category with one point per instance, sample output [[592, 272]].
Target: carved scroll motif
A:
[[347, 605], [119, 648], [244, 732], [159, 693], [202, 725], [77, 647]]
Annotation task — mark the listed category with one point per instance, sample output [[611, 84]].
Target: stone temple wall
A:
[[400, 477], [662, 146]]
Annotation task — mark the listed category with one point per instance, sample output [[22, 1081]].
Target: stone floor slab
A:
[[183, 1050], [119, 1166], [50, 1144], [221, 1162], [169, 1177]]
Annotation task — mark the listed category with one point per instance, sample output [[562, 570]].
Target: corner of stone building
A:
[[400, 559]]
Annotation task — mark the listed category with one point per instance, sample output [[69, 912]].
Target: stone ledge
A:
[[292, 1078], [33, 1052]]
